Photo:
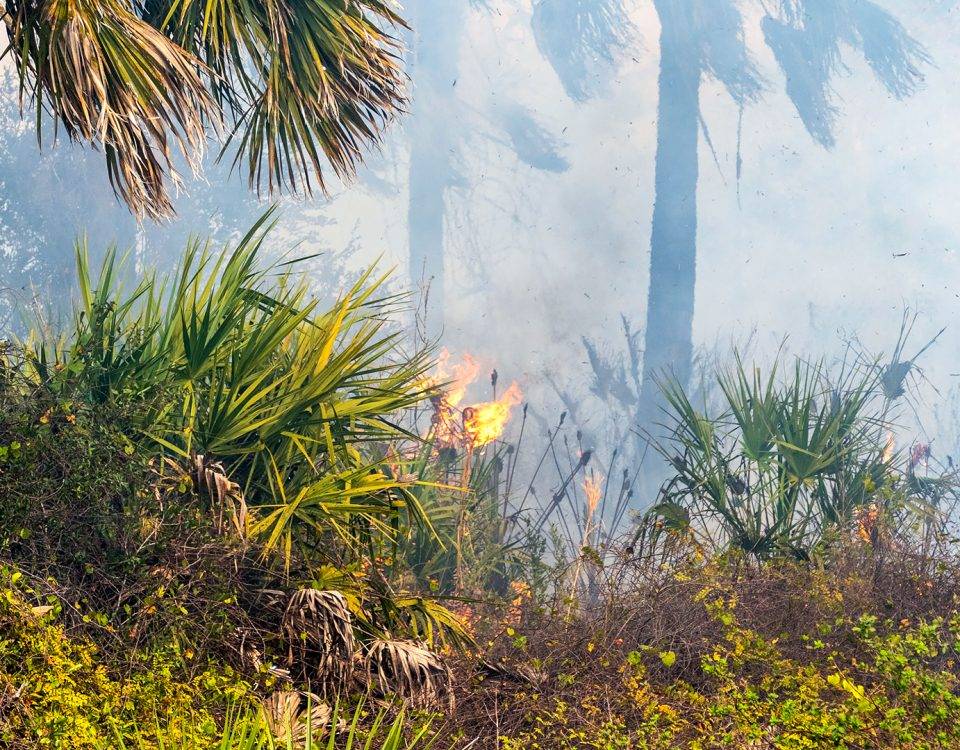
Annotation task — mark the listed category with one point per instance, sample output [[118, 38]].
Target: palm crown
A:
[[296, 86]]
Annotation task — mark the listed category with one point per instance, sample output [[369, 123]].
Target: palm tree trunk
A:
[[438, 25], [673, 244]]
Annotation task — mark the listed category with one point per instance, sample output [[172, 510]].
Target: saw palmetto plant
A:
[[231, 368], [293, 87], [788, 460]]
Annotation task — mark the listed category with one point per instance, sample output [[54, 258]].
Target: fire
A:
[[474, 425], [484, 423], [456, 379], [593, 489]]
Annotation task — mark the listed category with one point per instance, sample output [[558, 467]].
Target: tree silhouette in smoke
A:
[[436, 130], [704, 39], [581, 39]]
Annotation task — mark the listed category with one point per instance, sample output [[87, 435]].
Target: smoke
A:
[[545, 153]]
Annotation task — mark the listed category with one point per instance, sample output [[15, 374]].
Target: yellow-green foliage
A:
[[57, 694], [865, 684]]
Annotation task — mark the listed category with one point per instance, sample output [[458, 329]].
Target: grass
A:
[[255, 728]]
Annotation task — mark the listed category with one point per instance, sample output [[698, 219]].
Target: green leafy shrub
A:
[[191, 452], [786, 462], [59, 692], [231, 367]]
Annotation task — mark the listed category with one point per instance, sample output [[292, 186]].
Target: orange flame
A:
[[457, 379], [484, 423], [593, 488], [475, 425]]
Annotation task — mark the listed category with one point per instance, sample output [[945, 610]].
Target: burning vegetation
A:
[[469, 426], [321, 543]]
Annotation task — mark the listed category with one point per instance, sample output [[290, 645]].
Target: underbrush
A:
[[60, 690], [853, 652], [199, 487], [225, 525]]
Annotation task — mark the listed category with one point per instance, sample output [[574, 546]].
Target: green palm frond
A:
[[302, 81], [786, 459], [234, 361]]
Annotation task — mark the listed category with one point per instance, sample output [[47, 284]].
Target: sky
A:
[[811, 246]]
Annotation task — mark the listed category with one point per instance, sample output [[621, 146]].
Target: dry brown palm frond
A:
[[503, 673], [113, 80], [299, 82], [209, 478], [410, 671], [226, 496], [291, 716], [320, 643]]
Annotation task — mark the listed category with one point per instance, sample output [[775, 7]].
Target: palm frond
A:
[[580, 39], [806, 38], [274, 402], [299, 85], [303, 82], [410, 671], [113, 80], [787, 459]]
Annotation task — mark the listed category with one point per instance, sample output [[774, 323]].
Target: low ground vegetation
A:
[[225, 524]]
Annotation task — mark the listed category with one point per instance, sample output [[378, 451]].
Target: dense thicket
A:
[[227, 521]]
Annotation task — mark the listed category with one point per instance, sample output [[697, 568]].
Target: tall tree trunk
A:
[[437, 25], [673, 243]]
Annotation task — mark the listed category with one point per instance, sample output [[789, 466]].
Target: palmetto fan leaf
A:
[[788, 460], [112, 80], [298, 84], [302, 80]]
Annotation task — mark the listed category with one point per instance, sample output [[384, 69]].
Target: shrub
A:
[[186, 456], [785, 463], [708, 657], [58, 692], [229, 367]]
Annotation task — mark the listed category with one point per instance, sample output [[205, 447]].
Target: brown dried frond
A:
[[226, 497], [113, 80], [410, 671], [304, 85], [319, 633], [291, 716]]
